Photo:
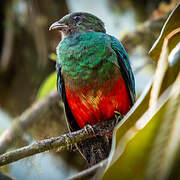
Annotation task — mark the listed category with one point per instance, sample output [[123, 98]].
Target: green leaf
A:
[[166, 146], [48, 85], [172, 23], [53, 56], [133, 150]]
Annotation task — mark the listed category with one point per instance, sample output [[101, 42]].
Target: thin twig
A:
[[90, 172], [58, 142]]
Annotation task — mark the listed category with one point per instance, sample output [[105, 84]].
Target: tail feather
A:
[[95, 149]]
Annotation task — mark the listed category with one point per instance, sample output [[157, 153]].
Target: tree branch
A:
[[59, 142], [32, 115]]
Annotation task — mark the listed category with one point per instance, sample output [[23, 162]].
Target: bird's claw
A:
[[89, 129], [68, 142], [118, 116]]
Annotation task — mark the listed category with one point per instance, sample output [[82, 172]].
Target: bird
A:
[[94, 78]]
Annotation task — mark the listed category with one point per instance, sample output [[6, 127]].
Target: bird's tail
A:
[[95, 149]]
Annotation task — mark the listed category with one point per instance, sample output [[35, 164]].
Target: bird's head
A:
[[78, 22]]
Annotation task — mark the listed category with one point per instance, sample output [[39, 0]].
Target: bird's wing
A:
[[125, 67], [73, 126]]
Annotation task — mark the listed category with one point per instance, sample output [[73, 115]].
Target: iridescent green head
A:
[[78, 22]]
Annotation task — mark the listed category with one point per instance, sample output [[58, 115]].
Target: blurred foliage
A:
[[53, 57], [147, 137], [171, 24], [143, 8], [48, 85], [25, 43]]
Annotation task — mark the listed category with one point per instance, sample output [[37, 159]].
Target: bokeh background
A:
[[27, 49]]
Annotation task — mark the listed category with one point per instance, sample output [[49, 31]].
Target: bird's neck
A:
[[73, 32]]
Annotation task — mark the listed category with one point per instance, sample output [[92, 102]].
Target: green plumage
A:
[[95, 52]]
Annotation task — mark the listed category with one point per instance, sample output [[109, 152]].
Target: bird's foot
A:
[[118, 116], [89, 129]]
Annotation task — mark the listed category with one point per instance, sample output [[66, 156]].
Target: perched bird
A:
[[94, 78]]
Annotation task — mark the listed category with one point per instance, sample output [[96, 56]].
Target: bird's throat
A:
[[63, 35]]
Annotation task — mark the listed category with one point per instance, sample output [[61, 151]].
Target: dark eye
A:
[[76, 18]]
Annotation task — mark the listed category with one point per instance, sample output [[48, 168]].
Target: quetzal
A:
[[94, 78]]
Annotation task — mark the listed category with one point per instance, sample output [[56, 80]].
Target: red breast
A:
[[92, 104]]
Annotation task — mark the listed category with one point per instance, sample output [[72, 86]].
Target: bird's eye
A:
[[76, 18]]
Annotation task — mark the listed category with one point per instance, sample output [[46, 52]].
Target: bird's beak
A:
[[58, 26]]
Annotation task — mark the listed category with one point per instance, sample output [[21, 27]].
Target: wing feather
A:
[[125, 67], [73, 126]]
